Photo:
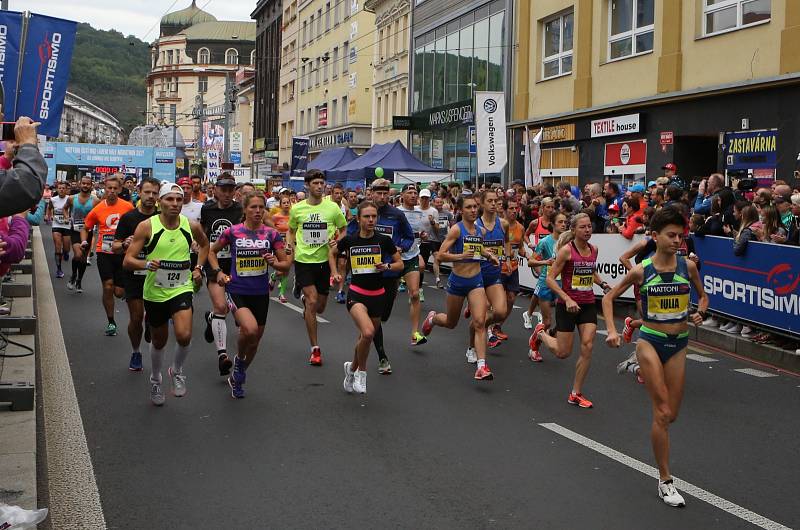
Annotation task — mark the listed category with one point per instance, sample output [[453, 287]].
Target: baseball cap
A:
[[410, 186], [637, 188], [614, 206], [283, 190], [670, 166], [225, 180], [466, 193], [651, 183], [184, 180], [169, 187], [425, 193]]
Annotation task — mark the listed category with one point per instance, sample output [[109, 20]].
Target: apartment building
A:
[[287, 108]]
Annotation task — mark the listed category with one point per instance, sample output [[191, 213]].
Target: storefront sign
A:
[[613, 126], [625, 158], [259, 144], [236, 141], [490, 124], [401, 123], [558, 133], [445, 117], [236, 157], [334, 139], [751, 149], [667, 137], [322, 115]]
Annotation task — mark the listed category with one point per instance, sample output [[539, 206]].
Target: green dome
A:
[[187, 17]]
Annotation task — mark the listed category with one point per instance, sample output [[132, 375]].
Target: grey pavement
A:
[[427, 447]]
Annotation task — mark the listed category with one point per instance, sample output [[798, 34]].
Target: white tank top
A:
[[60, 220]]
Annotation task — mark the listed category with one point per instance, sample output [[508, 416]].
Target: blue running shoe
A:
[[402, 287], [239, 370], [237, 392], [136, 362], [341, 297]]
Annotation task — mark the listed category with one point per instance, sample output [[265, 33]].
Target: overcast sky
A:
[[137, 17]]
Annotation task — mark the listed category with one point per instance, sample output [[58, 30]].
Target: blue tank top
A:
[[80, 211], [467, 242], [494, 241]]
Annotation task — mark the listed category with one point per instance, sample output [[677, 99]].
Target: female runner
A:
[[495, 240], [538, 228], [254, 247], [281, 221]]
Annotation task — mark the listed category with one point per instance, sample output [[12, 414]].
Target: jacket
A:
[[740, 243], [402, 234], [24, 182]]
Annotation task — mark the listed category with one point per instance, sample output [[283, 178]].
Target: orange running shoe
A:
[[316, 357], [579, 400], [483, 374], [497, 331], [627, 331]]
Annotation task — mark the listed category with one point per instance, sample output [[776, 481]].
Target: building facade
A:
[[458, 48], [193, 61], [287, 113], [335, 76], [269, 23], [390, 61], [86, 123], [622, 88]]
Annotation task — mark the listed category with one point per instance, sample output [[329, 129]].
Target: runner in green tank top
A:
[[170, 283]]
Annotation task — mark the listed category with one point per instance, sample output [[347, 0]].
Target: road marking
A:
[[650, 471], [297, 309], [701, 358], [602, 332], [754, 372]]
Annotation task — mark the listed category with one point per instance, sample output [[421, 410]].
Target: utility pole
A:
[[198, 114], [228, 109]]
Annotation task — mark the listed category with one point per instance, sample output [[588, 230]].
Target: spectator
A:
[[715, 224], [568, 200], [14, 231], [696, 222], [22, 185], [794, 231], [633, 218], [772, 230], [707, 189], [783, 204], [749, 215]]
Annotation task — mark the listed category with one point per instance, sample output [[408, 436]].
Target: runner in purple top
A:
[[254, 248]]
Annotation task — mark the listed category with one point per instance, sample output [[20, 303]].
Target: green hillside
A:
[[110, 72]]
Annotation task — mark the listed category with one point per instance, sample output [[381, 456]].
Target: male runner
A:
[[426, 247], [79, 204], [106, 214], [216, 217], [411, 270], [313, 224], [168, 287], [58, 212], [443, 221], [134, 280], [191, 207]]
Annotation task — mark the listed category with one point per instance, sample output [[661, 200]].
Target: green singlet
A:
[[171, 248], [315, 225]]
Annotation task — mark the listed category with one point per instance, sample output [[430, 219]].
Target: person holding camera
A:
[[23, 183]]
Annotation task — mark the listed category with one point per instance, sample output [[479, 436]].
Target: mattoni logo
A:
[[48, 65]]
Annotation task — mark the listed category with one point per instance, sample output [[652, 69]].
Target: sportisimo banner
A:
[[299, 155], [10, 45], [45, 71]]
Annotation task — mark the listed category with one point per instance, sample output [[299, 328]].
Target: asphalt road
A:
[[427, 447]]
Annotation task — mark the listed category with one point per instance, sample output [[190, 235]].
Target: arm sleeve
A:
[[17, 239], [24, 182], [37, 217]]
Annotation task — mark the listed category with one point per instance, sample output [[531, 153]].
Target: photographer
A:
[[21, 186]]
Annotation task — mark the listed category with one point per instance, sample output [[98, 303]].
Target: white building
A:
[[84, 122]]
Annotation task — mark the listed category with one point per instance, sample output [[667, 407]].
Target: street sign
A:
[[236, 157], [472, 137], [667, 137]]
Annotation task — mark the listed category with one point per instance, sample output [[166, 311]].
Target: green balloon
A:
[[378, 172]]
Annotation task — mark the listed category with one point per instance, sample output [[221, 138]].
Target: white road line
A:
[[754, 372], [650, 471], [602, 332], [701, 358], [297, 309]]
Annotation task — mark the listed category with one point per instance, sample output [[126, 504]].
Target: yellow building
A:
[[622, 88], [390, 60], [287, 106], [334, 101]]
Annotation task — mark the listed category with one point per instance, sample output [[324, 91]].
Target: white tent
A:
[[403, 177]]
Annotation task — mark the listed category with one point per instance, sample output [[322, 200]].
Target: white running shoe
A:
[[537, 318], [156, 394], [736, 329], [726, 326], [526, 320], [178, 383], [669, 494], [348, 378], [360, 382], [748, 332], [710, 322], [627, 363], [472, 356]]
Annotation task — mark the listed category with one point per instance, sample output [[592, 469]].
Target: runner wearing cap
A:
[[411, 268], [169, 285], [428, 246], [216, 217]]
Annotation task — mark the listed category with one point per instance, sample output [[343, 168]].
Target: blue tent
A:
[[332, 158], [391, 157]]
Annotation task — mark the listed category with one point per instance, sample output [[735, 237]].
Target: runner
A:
[[216, 217], [439, 226], [536, 231], [58, 211], [369, 254], [168, 287], [313, 224], [191, 209], [463, 247], [254, 248], [281, 221], [392, 223], [495, 241], [411, 267], [665, 280], [105, 215], [426, 246], [576, 261], [510, 271], [134, 280], [79, 206]]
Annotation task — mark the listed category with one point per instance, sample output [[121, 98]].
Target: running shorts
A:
[[134, 286], [511, 281], [543, 292], [461, 286], [566, 321], [224, 265], [258, 304], [75, 237], [316, 274], [666, 346], [390, 286], [110, 268], [65, 232], [373, 302], [157, 314], [491, 278], [410, 265]]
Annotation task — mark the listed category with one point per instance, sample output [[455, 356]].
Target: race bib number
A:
[[77, 225], [385, 230], [315, 233], [105, 245], [473, 245], [582, 278], [364, 260], [495, 247], [172, 274], [251, 263], [58, 216], [142, 272], [443, 223], [668, 301]]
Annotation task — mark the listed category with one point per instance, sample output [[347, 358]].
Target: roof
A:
[[391, 157], [222, 30], [333, 157], [189, 15]]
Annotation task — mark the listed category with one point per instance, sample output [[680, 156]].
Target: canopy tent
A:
[[391, 157], [404, 177], [332, 158]]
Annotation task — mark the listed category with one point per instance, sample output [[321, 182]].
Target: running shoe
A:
[[427, 325], [439, 283], [669, 494], [467, 312], [78, 287], [59, 274], [136, 362], [209, 333], [89, 261], [178, 383], [239, 373], [627, 331], [418, 339], [360, 382], [483, 374], [748, 332], [493, 341], [710, 322], [472, 356], [527, 323], [534, 342], [156, 394], [237, 390], [282, 299], [726, 326], [384, 368], [341, 297], [296, 289], [535, 356], [71, 285], [316, 357], [579, 400], [736, 329], [402, 287], [348, 378], [625, 365], [421, 295], [225, 364], [497, 331], [111, 329]]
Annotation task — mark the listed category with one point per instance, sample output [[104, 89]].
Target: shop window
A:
[[559, 164], [557, 45], [480, 61], [465, 65], [630, 24], [419, 62], [496, 51], [726, 15]]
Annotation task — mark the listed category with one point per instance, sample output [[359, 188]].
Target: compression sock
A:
[[75, 268], [111, 321], [81, 270], [58, 260], [220, 331], [181, 352], [156, 360], [377, 340]]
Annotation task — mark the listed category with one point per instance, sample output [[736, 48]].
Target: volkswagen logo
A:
[[490, 105]]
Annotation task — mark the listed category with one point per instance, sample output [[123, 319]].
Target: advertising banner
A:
[[213, 135], [45, 71], [299, 155], [625, 158], [751, 150], [617, 125], [490, 124], [236, 141], [763, 286], [101, 158], [10, 47], [212, 165]]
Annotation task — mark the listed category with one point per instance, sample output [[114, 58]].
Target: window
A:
[[557, 46], [202, 83], [335, 65], [345, 111], [311, 29], [346, 58], [630, 28], [174, 87], [325, 69], [336, 15], [334, 109], [316, 70], [724, 15], [302, 78], [161, 112], [169, 56], [231, 56], [319, 22], [302, 121], [327, 16], [346, 8], [305, 32], [378, 114]]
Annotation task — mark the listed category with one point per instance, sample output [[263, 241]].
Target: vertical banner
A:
[[10, 47], [299, 155], [490, 123], [536, 157], [212, 165], [45, 71]]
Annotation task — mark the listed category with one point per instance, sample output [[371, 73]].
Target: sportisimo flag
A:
[[299, 155], [10, 44]]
